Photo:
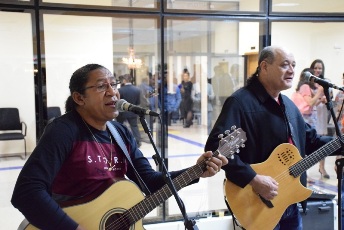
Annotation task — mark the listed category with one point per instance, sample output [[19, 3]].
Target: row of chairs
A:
[[12, 128]]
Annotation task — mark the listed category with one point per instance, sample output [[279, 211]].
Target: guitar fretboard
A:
[[310, 160], [141, 209]]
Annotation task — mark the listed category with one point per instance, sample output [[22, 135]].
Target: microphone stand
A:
[[339, 162], [189, 224]]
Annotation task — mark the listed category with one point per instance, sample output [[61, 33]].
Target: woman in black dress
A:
[[186, 103]]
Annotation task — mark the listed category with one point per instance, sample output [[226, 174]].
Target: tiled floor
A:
[[185, 145]]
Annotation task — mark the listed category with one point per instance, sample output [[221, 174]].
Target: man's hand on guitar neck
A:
[[265, 186], [214, 164]]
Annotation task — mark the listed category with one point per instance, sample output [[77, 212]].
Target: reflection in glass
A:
[[117, 3], [307, 6], [214, 5]]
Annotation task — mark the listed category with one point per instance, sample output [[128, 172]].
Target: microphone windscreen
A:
[[119, 104], [307, 75]]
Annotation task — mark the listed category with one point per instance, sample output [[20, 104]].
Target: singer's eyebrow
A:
[[105, 79]]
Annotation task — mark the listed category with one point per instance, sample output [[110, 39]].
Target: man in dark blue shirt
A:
[[131, 94]]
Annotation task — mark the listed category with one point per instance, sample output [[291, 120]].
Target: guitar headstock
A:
[[231, 141]]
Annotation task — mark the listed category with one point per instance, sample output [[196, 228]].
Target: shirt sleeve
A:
[[236, 170], [32, 192]]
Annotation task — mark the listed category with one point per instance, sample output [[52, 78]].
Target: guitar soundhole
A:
[[286, 157], [114, 220]]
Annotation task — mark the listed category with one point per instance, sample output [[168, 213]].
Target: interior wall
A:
[[71, 42], [248, 37], [221, 34], [17, 76]]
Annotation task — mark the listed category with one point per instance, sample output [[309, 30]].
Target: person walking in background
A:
[[172, 99], [186, 104], [223, 84], [197, 96], [210, 109], [322, 118], [147, 99], [131, 94]]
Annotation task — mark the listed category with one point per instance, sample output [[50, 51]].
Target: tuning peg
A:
[[237, 151], [233, 127], [220, 136], [227, 132], [242, 145], [232, 157]]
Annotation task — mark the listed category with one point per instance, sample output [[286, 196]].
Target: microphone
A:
[[311, 78], [123, 105]]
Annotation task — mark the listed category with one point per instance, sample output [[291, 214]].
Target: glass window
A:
[[333, 6], [118, 3], [205, 63], [215, 5], [17, 74], [16, 1]]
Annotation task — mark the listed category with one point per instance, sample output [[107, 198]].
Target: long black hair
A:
[[268, 55], [78, 82]]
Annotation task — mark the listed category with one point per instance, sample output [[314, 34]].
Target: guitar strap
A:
[[121, 144]]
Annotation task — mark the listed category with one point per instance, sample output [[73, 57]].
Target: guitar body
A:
[[248, 207], [119, 197]]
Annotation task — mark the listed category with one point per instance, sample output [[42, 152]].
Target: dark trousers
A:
[[132, 120], [291, 219]]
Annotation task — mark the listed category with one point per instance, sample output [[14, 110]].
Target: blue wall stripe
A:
[[11, 168], [186, 140]]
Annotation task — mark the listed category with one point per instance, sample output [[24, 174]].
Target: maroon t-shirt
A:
[[88, 165]]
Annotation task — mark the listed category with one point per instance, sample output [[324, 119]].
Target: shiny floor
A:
[[185, 145]]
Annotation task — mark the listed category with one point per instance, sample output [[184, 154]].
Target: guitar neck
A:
[[141, 209], [310, 160]]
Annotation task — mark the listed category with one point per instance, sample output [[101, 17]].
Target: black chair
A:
[[53, 112], [10, 126]]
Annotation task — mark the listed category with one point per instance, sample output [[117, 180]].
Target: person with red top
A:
[[306, 97], [77, 155]]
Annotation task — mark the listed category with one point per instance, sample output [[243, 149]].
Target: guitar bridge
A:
[[266, 202]]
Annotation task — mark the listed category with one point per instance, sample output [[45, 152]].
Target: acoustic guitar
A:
[[122, 205], [285, 165]]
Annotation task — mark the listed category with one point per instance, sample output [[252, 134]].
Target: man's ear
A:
[[78, 98], [263, 66]]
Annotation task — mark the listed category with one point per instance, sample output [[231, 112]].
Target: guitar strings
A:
[[124, 220], [305, 163]]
